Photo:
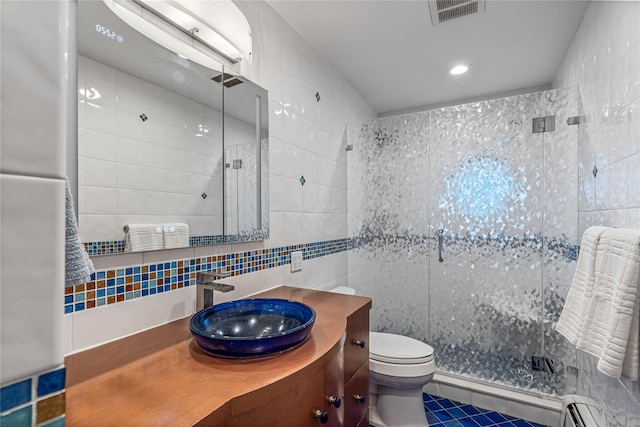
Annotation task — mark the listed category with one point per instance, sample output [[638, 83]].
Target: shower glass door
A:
[[486, 198], [503, 202]]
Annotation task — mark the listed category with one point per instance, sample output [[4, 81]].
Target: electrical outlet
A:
[[296, 261], [543, 364]]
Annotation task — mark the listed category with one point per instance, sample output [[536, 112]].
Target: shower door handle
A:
[[440, 245]]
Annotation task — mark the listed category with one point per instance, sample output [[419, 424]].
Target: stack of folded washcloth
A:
[[176, 235], [148, 237]]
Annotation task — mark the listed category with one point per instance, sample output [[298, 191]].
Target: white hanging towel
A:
[[176, 235], [78, 266], [573, 317], [143, 237], [611, 331]]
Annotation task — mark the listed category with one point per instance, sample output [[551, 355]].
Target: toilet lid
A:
[[398, 349]]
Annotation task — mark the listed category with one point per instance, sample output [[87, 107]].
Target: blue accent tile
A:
[[100, 275], [100, 293], [521, 423], [111, 291], [120, 272], [120, 281], [79, 307], [20, 418], [446, 403], [482, 420], [469, 410], [152, 268], [120, 289], [128, 271], [433, 405], [111, 282], [51, 382], [456, 412], [136, 270], [68, 299], [468, 422], [495, 417], [432, 419], [15, 394], [453, 423], [68, 309], [443, 415]]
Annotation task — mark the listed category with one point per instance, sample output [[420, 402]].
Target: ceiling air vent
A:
[[446, 10]]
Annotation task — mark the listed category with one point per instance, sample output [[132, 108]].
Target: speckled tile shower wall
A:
[[505, 200]]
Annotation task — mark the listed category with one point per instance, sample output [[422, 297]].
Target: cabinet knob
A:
[[359, 343], [359, 398], [322, 416], [335, 401]]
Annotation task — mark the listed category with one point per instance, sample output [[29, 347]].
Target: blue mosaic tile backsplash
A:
[[121, 284]]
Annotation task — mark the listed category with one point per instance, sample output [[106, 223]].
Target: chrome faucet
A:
[[206, 284]]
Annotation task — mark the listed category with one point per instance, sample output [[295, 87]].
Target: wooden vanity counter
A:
[[160, 377]]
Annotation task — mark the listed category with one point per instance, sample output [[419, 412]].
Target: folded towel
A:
[[176, 235], [143, 237], [611, 330], [572, 319], [78, 266]]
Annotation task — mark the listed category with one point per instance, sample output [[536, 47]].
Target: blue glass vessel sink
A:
[[252, 327]]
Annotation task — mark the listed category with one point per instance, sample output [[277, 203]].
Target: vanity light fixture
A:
[[458, 69], [203, 32]]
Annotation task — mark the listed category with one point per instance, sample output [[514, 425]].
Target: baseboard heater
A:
[[579, 411]]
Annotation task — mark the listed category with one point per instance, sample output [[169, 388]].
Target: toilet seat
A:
[[398, 349]]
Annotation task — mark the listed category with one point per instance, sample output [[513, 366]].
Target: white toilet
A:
[[399, 367]]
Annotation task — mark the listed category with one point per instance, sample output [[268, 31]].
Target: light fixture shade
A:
[[218, 29], [220, 23]]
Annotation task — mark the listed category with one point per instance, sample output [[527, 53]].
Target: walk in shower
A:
[[463, 226]]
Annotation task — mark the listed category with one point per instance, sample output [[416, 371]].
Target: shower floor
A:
[[448, 413]]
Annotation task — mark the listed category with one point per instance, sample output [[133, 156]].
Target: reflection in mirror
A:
[[246, 149], [150, 135]]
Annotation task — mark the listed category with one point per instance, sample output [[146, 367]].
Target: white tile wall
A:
[[306, 138], [35, 40], [152, 171], [32, 274], [604, 62]]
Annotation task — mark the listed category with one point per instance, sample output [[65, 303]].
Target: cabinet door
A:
[[293, 404], [356, 397], [334, 389], [356, 347]]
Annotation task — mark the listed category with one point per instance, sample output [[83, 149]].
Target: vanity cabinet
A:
[[290, 402], [356, 370], [161, 378], [293, 401]]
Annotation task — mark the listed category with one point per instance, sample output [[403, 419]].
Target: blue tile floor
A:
[[447, 413]]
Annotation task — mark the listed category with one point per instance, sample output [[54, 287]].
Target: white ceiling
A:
[[397, 60]]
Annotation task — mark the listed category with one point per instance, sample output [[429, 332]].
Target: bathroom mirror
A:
[[151, 146], [246, 135]]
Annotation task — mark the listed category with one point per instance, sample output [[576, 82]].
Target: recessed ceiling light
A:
[[456, 70]]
